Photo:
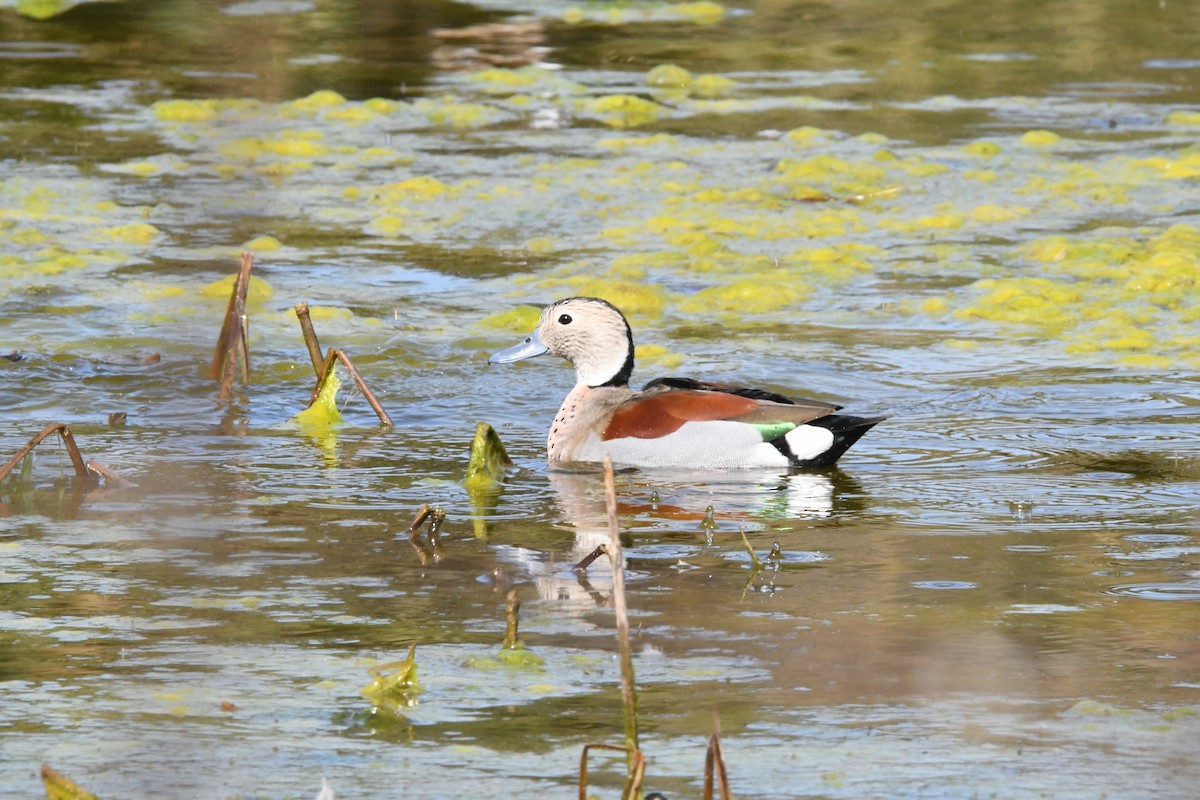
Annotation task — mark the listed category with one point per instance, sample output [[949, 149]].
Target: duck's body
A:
[[672, 422]]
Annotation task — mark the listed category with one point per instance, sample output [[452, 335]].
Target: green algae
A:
[[60, 787], [396, 691], [702, 227], [623, 110], [520, 319], [487, 462], [322, 416], [670, 76], [518, 659]]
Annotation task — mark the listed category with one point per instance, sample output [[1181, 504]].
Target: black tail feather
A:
[[846, 430]]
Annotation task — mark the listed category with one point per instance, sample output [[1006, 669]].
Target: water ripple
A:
[[40, 50], [1158, 591]]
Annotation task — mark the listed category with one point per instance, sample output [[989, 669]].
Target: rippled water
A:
[[980, 221]]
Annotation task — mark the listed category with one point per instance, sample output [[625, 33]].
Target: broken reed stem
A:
[[714, 762], [586, 561], [111, 478], [323, 364], [435, 523], [512, 611], [628, 687], [756, 563], [81, 470], [310, 337], [422, 514], [233, 340], [244, 341], [637, 770], [384, 419], [331, 358]]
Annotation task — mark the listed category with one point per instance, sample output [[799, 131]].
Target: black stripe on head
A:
[[622, 376]]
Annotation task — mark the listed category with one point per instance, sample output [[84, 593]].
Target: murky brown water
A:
[[979, 220]]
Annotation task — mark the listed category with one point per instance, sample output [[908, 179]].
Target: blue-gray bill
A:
[[532, 346]]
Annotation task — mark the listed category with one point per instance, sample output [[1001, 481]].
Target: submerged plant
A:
[[322, 404], [60, 787], [513, 652], [485, 468], [396, 691], [488, 460]]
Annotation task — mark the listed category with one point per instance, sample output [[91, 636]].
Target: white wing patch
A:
[[809, 441]]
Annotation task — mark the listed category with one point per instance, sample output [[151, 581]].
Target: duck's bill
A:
[[532, 346]]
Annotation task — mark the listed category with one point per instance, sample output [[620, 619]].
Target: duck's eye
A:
[[565, 319]]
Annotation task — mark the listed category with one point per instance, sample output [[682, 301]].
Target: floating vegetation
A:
[[322, 412], [513, 653], [488, 460], [392, 693], [624, 110], [60, 787], [486, 466]]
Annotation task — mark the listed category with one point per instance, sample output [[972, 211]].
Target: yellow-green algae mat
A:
[[692, 232], [967, 237]]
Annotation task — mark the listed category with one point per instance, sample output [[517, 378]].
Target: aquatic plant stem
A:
[[628, 687], [331, 358], [111, 478], [310, 337], [586, 561], [323, 365], [512, 612], [714, 765], [637, 770], [62, 430], [423, 513], [233, 339]]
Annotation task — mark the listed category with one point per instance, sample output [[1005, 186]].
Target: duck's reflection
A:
[[671, 506]]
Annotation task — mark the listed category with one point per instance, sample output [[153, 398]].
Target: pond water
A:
[[981, 220]]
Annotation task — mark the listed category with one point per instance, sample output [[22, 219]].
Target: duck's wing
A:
[[662, 412], [664, 384]]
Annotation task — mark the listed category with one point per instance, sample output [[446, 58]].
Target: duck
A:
[[671, 422]]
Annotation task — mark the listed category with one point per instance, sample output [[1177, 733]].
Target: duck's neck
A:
[[612, 367], [581, 419]]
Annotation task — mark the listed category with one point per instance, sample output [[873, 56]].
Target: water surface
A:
[[980, 221]]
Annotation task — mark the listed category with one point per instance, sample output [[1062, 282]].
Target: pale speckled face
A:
[[593, 335]]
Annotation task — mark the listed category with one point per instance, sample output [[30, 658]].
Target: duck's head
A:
[[587, 331]]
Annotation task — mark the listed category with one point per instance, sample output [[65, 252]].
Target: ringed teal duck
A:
[[671, 422]]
